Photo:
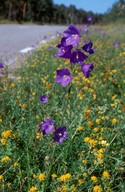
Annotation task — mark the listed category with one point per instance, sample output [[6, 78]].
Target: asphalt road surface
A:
[[16, 39]]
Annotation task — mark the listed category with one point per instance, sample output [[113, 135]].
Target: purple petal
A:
[[86, 69]]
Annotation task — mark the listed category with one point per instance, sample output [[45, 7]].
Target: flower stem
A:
[[50, 169]]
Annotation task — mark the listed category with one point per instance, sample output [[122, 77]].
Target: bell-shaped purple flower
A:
[[86, 69], [85, 28], [43, 99], [1, 66], [72, 35], [63, 77], [64, 51], [60, 134], [88, 47], [116, 44], [77, 57], [47, 126]]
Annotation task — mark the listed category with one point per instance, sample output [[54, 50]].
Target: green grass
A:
[[92, 158]]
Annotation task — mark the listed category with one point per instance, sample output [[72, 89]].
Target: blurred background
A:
[[62, 12]]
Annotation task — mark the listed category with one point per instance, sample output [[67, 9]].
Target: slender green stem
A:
[[50, 169]]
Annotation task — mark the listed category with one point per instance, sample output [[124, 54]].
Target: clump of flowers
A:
[[65, 177], [69, 49], [48, 127]]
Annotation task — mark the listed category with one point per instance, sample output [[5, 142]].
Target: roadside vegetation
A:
[[89, 153]]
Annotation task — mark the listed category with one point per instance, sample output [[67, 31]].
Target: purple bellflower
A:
[[77, 57], [60, 134], [63, 77], [47, 126], [88, 47], [43, 99], [86, 69], [72, 35], [64, 51], [85, 28], [116, 44], [1, 66]]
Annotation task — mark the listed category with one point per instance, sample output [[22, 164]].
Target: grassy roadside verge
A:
[[93, 157]]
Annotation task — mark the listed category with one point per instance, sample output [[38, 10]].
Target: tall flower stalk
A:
[[70, 49]]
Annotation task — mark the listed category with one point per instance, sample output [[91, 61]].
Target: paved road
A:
[[16, 39]]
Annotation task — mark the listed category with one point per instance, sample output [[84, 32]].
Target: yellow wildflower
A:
[[6, 133], [35, 176], [90, 123], [80, 181], [64, 188], [33, 93], [94, 96], [114, 120], [84, 161], [103, 118], [113, 97], [94, 178], [3, 141], [65, 177], [5, 159], [24, 105], [96, 129], [97, 188], [80, 128], [106, 174], [54, 175], [1, 120], [48, 85], [99, 156], [92, 142], [38, 135], [1, 177], [15, 164], [41, 177], [33, 189], [87, 112], [98, 121], [101, 138], [101, 150], [86, 139]]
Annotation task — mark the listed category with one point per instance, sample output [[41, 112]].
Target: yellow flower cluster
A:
[[65, 177], [64, 188], [106, 174], [92, 142], [5, 159], [33, 189], [114, 120], [97, 188], [6, 133], [94, 179], [41, 177]]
